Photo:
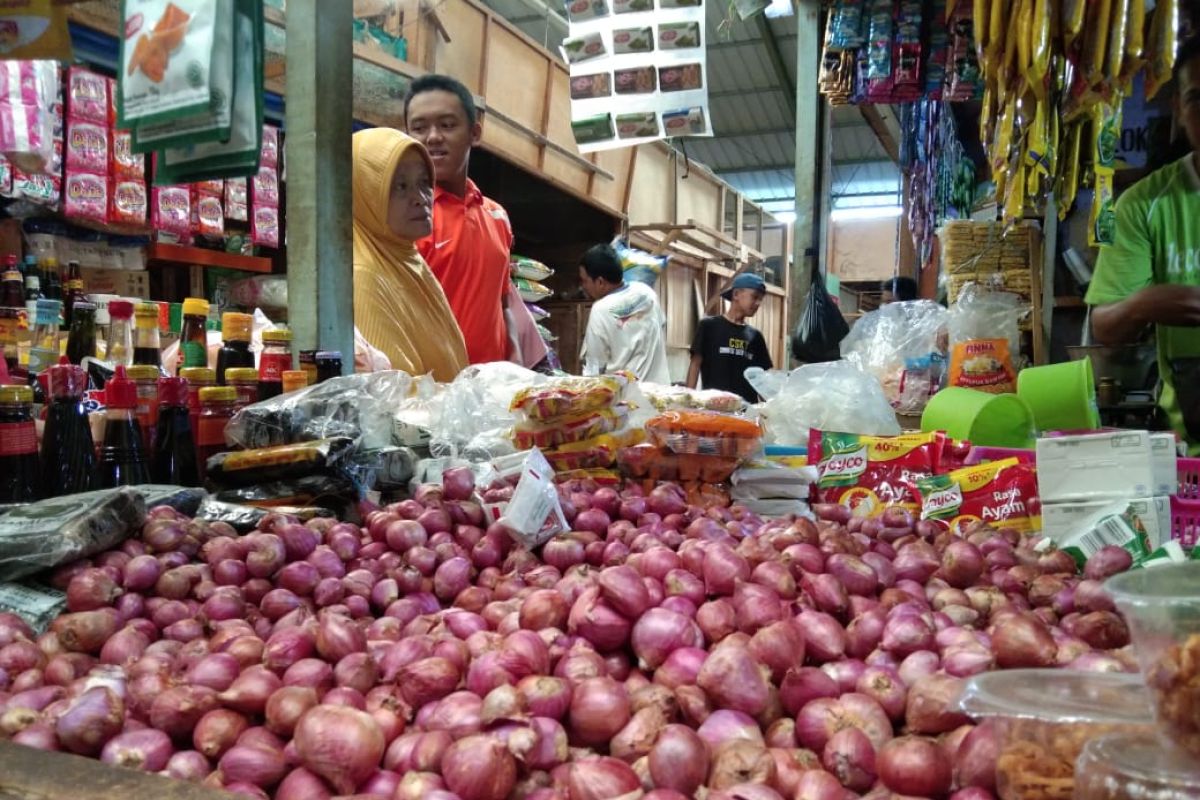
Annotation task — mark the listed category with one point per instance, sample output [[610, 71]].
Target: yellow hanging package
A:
[[1118, 26], [35, 30], [1068, 180], [1095, 39], [1072, 20], [1102, 226], [1160, 53], [1135, 43]]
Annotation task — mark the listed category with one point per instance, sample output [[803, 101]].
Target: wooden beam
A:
[[882, 130]]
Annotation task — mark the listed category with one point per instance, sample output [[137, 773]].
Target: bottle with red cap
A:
[[122, 458], [174, 458], [68, 455], [20, 475]]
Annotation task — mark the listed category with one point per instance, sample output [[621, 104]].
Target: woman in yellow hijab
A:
[[399, 307]]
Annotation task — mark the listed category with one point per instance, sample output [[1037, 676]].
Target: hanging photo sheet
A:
[[638, 71]]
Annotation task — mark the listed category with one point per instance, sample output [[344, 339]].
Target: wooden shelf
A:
[[179, 255]]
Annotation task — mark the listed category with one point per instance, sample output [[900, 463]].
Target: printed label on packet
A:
[[37, 187], [85, 196], [1123, 530], [266, 187], [270, 146], [1001, 493], [35, 603], [87, 94], [127, 202], [87, 147], [171, 209], [125, 162], [871, 473], [265, 226], [210, 216]]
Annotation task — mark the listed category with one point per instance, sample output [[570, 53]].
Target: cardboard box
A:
[[1063, 523], [1096, 466], [1164, 464], [121, 282]]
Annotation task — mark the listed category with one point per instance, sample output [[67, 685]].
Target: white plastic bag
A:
[[904, 346], [831, 396], [534, 514], [473, 410]]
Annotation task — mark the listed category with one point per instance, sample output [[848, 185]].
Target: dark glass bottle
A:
[[122, 457], [51, 280], [68, 453], [146, 344], [235, 343], [276, 358], [244, 380], [193, 339], [73, 290], [329, 365], [20, 477], [81, 341], [174, 457], [12, 287]]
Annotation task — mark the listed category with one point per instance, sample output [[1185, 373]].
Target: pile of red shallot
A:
[[658, 651]]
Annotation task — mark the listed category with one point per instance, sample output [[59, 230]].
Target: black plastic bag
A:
[[821, 327]]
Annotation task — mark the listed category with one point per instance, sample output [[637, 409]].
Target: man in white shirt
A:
[[626, 328]]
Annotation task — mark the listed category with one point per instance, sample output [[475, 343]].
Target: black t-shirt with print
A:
[[726, 351]]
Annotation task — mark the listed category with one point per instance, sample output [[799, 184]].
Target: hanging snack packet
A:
[[1160, 51], [270, 146], [35, 29], [127, 202], [85, 196], [264, 228], [87, 95], [265, 187], [87, 147], [167, 59], [37, 187], [210, 217], [171, 210], [870, 473], [235, 200], [126, 164], [1000, 493]]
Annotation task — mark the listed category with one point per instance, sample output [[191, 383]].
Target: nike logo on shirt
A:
[[440, 245]]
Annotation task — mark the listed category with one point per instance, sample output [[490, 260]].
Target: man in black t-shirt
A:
[[725, 346]]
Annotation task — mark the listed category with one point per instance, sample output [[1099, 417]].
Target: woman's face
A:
[[410, 203]]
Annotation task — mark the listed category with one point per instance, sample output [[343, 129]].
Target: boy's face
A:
[[747, 301], [438, 120]]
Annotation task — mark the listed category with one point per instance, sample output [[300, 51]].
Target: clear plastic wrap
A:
[[37, 536], [680, 398], [904, 346], [651, 462], [985, 338], [766, 480], [569, 429], [705, 433], [835, 396], [360, 407], [563, 396], [471, 417]]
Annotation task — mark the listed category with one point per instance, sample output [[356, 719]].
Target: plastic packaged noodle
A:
[[667, 398], [573, 395], [999, 493], [595, 453], [871, 473], [651, 462], [281, 463], [705, 433], [984, 337], [360, 407], [573, 428], [36, 536], [528, 268]]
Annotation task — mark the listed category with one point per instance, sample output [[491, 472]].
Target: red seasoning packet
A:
[[87, 95], [87, 147], [266, 187], [1000, 493], [85, 196], [270, 147], [210, 217], [264, 228], [871, 473], [171, 210], [126, 163], [127, 202]]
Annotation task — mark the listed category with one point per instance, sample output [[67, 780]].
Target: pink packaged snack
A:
[[85, 196], [171, 210], [112, 102], [270, 147], [127, 202], [216, 188], [87, 95], [6, 178], [37, 187], [126, 164], [210, 217], [264, 227], [25, 129], [235, 190], [266, 187], [20, 83], [87, 147]]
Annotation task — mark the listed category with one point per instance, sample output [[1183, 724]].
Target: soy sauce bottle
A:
[[122, 457], [235, 343], [174, 458], [20, 475], [68, 454]]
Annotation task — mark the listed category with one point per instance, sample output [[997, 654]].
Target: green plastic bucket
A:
[[982, 418], [1061, 396]]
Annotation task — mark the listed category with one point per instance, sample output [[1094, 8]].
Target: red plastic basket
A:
[[1185, 520], [1189, 478]]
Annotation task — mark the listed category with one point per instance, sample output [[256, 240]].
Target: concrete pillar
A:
[[319, 113], [806, 242]]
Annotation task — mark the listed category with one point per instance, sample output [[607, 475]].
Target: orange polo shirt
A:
[[468, 253]]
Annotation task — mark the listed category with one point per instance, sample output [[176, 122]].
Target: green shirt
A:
[[1157, 241]]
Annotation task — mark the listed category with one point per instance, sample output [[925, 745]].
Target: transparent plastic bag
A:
[[472, 415], [903, 345], [572, 395], [680, 398], [834, 396], [534, 514], [985, 339], [705, 433], [360, 407]]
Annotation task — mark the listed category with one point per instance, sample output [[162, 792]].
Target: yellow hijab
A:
[[399, 306]]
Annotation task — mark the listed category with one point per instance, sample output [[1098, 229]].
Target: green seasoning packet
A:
[[239, 156], [1124, 530], [593, 129], [211, 124], [166, 59]]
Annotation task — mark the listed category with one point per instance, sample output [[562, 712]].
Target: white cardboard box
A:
[[1164, 455], [1096, 466], [1062, 522]]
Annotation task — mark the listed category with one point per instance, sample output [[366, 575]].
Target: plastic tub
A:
[[1043, 719], [1123, 767], [1061, 396], [984, 419], [1162, 607]]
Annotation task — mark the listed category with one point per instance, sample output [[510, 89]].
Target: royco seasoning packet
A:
[[871, 473], [166, 59], [999, 493]]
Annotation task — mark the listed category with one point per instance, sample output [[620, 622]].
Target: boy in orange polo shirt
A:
[[469, 249]]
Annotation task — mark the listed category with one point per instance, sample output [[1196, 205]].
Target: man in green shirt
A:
[[1150, 274]]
